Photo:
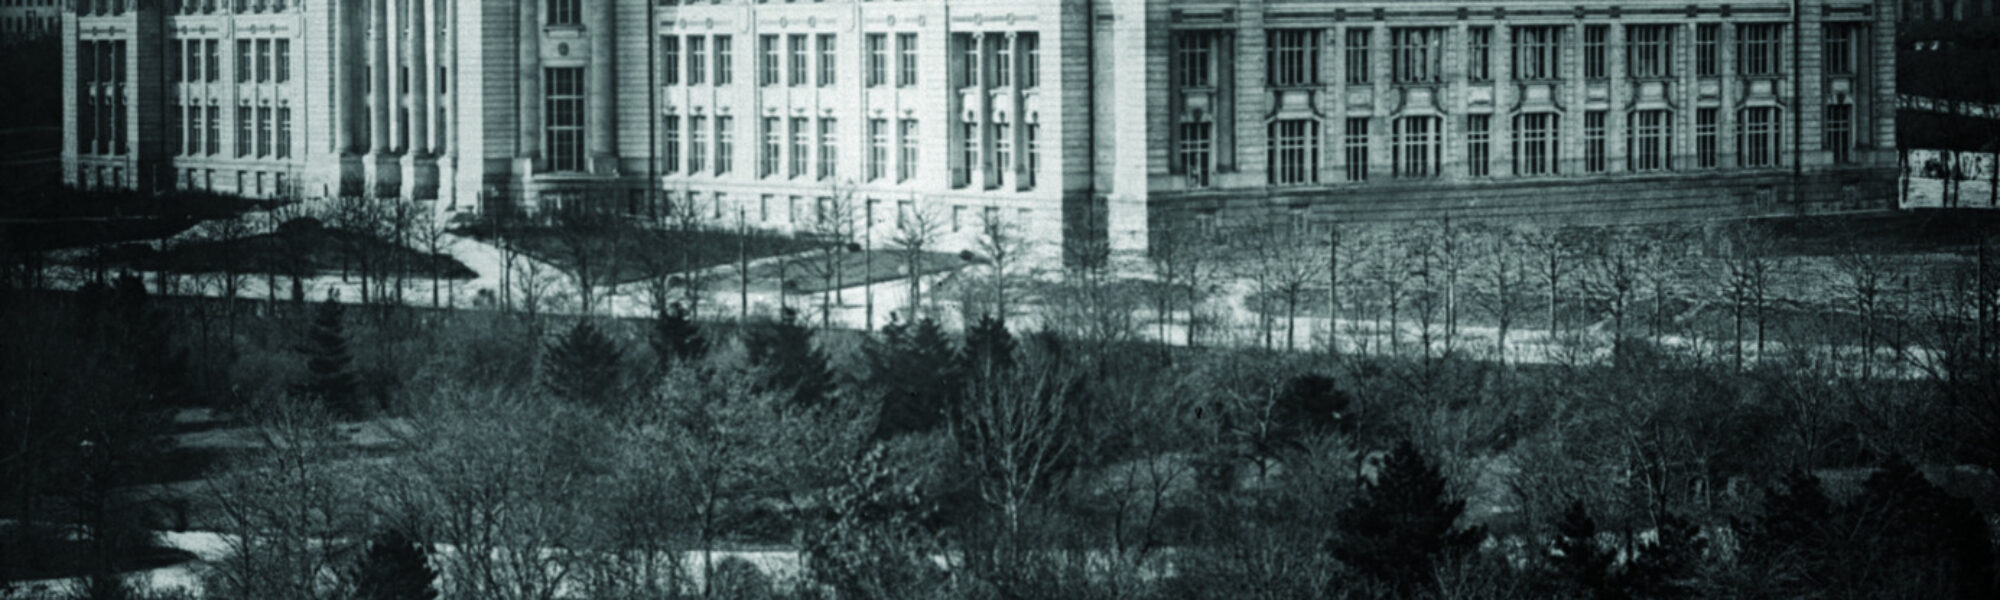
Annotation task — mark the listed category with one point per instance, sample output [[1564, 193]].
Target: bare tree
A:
[[1005, 250], [915, 232], [1749, 266], [286, 508], [433, 234], [833, 231], [1289, 261], [1552, 266], [1501, 277], [589, 240], [1013, 426], [1613, 277]]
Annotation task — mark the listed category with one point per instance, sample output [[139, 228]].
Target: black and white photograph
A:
[[999, 299]]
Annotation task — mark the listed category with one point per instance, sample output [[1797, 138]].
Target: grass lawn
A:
[[50, 217], [301, 245], [630, 253], [807, 273]]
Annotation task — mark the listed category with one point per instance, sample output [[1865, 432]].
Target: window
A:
[[1031, 60], [264, 131], [284, 61], [195, 130], [1841, 41], [1034, 134], [1478, 145], [214, 61], [1003, 154], [725, 145], [1293, 57], [801, 146], [562, 97], [774, 140], [565, 12], [970, 137], [243, 58], [1648, 138], [214, 130], [906, 169], [670, 149], [1195, 55], [1294, 152], [1538, 52], [877, 58], [670, 60], [1757, 137], [697, 59], [906, 59], [1479, 54], [1418, 54], [1356, 56], [968, 69], [957, 217], [1706, 38], [829, 149], [1840, 132], [795, 44], [827, 64], [1003, 60], [1595, 38], [792, 208], [764, 207], [263, 61], [1419, 147], [1705, 126], [1757, 50], [698, 144], [193, 57], [767, 60], [1196, 147], [1536, 148], [725, 61], [243, 132], [1593, 141], [1649, 51], [1355, 144], [878, 148]]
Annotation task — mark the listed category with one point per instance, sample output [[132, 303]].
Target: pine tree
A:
[[988, 346], [329, 375], [676, 338], [584, 366], [1313, 404], [1575, 554], [914, 369], [784, 350], [394, 567], [1401, 527]]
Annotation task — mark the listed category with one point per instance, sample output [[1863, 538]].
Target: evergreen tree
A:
[[584, 366], [1654, 568], [1902, 537], [1575, 554], [329, 370], [1313, 404], [676, 338], [1400, 528], [394, 567], [784, 350], [988, 346], [913, 368]]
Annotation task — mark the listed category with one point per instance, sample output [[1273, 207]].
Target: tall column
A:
[[397, 53], [343, 85], [597, 118], [529, 94], [420, 34], [378, 122]]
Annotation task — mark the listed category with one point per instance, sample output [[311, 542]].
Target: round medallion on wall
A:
[[976, 18], [920, 20], [684, 23], [1010, 19], [784, 22], [892, 20], [562, 49], [812, 21], [710, 23]]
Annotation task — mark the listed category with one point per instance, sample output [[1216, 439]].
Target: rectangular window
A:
[[263, 131], [1479, 54], [670, 60], [1841, 41], [1355, 56], [565, 12], [214, 71], [1195, 55], [243, 58], [767, 60], [1003, 60], [1757, 137], [968, 69], [1031, 60], [263, 61], [193, 58], [1293, 57], [1649, 136], [562, 116], [697, 65], [774, 141], [697, 144], [1593, 141], [1355, 144], [969, 136], [828, 66], [284, 61], [1536, 145], [1595, 63], [792, 205], [1478, 145], [1839, 128], [1418, 54], [243, 132], [906, 59], [907, 141], [1538, 52], [764, 207], [670, 144], [878, 148], [1294, 155], [877, 58], [1003, 154], [725, 145], [195, 129], [214, 130], [796, 71], [1705, 133], [829, 149], [1034, 135], [1196, 147], [1419, 147], [1757, 46], [725, 61], [801, 146], [1707, 38], [1649, 51]]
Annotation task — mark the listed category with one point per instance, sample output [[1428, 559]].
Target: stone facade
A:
[[1083, 124], [29, 19]]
